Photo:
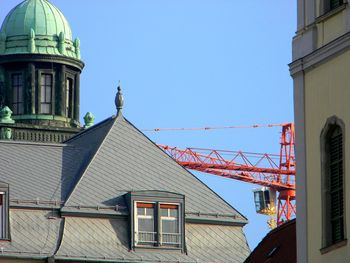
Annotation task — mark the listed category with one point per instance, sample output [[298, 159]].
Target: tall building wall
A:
[[321, 74], [326, 95]]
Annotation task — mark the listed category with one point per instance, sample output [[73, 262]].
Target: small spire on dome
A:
[[119, 100]]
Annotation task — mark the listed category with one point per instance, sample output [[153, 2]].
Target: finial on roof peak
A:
[[119, 100]]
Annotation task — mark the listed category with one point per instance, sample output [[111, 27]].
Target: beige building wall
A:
[[330, 27], [327, 93], [321, 74]]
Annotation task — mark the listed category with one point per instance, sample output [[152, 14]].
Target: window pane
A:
[[20, 108], [146, 225], [45, 108], [170, 225], [48, 94], [20, 93], [15, 94], [140, 211], [149, 211], [174, 213], [163, 212], [42, 95], [48, 79]]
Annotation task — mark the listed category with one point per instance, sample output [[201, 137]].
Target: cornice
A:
[[42, 58], [321, 54]]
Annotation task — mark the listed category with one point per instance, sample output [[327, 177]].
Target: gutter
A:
[[113, 260], [198, 220], [96, 260], [23, 257]]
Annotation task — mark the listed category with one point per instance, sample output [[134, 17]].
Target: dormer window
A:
[[157, 224], [158, 219]]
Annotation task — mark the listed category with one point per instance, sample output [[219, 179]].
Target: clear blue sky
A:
[[190, 63]]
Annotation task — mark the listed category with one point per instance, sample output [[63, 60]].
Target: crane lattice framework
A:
[[274, 171]]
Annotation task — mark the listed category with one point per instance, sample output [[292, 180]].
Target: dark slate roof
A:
[[34, 234], [40, 174], [96, 168], [107, 239], [216, 243], [279, 245], [91, 173], [126, 160]]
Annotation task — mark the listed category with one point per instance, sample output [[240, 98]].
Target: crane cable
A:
[[216, 127]]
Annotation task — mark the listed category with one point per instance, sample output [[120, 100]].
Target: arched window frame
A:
[[327, 235]]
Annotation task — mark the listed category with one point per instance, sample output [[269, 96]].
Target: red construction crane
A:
[[277, 172]]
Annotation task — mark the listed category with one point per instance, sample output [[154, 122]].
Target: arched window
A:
[[332, 141]]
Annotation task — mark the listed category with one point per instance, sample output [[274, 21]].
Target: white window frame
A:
[[144, 216], [169, 218], [158, 223]]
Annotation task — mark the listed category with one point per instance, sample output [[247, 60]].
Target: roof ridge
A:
[[89, 130], [92, 159], [245, 218]]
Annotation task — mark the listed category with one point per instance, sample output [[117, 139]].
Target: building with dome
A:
[[92, 193], [40, 70]]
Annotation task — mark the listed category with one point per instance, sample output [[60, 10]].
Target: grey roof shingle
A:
[[107, 239], [91, 173], [126, 161], [33, 234], [216, 243], [39, 172]]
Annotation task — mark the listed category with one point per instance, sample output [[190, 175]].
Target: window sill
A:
[[330, 13], [334, 246], [143, 248]]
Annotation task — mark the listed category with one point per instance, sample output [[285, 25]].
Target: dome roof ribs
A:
[[47, 22]]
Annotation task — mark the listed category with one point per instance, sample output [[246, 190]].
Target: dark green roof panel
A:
[[37, 26]]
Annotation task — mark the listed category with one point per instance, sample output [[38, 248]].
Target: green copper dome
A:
[[38, 27]]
